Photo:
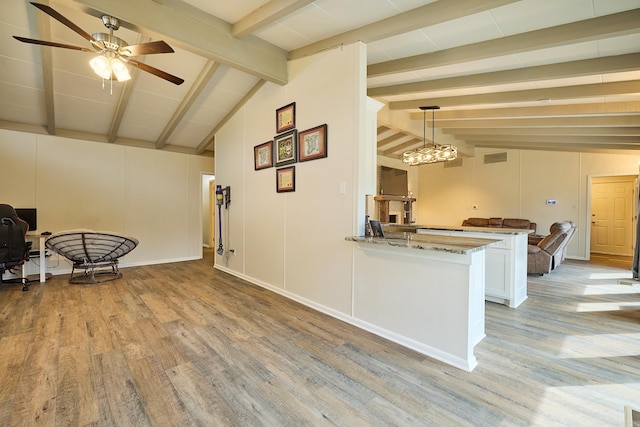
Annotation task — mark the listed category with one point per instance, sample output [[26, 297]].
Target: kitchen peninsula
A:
[[423, 291], [506, 261]]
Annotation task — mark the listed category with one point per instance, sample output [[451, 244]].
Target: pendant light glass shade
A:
[[434, 154]]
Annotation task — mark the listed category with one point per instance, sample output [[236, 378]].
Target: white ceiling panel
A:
[[22, 113], [155, 102], [619, 45], [87, 87], [82, 115], [20, 73], [281, 35], [134, 130], [187, 131], [530, 15], [572, 52], [497, 63], [406, 5], [607, 7], [21, 95], [230, 11], [462, 31], [12, 48], [407, 44], [15, 14], [345, 15]]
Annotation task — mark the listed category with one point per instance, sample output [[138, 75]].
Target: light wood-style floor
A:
[[182, 344]]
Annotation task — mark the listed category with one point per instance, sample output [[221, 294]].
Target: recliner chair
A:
[[549, 252], [14, 249]]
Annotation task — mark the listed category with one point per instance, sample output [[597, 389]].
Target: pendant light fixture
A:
[[434, 154]]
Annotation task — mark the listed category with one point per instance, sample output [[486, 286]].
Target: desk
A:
[[43, 260]]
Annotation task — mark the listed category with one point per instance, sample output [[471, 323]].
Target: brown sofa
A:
[[548, 252], [499, 223]]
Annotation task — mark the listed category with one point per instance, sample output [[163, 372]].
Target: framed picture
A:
[[286, 179], [285, 148], [286, 117], [263, 155], [312, 143]]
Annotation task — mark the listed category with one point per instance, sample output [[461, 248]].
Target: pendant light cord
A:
[[433, 127], [424, 130]]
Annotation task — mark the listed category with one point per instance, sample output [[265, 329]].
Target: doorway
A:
[[613, 213], [208, 210]]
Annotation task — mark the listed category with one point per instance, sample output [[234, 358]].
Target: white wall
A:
[[295, 242], [154, 196], [519, 188]]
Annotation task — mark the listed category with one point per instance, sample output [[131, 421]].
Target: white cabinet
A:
[[506, 262]]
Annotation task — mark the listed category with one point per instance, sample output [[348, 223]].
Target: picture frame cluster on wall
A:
[[290, 146]]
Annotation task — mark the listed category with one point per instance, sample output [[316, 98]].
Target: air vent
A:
[[495, 158], [455, 163]]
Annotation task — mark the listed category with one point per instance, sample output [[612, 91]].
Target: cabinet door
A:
[[497, 273]]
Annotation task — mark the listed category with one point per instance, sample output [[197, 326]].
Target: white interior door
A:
[[612, 215]]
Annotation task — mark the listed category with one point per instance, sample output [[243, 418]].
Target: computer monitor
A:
[[30, 216]]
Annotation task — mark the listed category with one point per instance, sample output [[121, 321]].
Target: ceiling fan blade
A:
[[52, 44], [149, 69], [54, 14], [145, 48]]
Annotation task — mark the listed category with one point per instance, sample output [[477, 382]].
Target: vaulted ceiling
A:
[[530, 74]]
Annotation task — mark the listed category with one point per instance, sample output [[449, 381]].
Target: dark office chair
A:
[[14, 249]]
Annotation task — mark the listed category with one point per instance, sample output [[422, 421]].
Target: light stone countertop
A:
[[413, 227], [452, 244]]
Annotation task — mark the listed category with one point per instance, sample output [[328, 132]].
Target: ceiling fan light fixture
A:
[[114, 52], [120, 70], [101, 66], [106, 67]]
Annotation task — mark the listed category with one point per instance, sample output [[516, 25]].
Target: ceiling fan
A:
[[113, 51]]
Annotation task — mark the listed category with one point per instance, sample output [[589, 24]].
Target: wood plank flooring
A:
[[185, 345]]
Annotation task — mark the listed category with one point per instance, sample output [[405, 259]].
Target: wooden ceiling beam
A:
[[599, 131], [530, 95], [44, 31], [265, 15], [123, 100], [210, 138], [608, 148], [196, 89], [566, 139], [543, 122], [400, 148], [586, 67], [616, 24], [391, 139], [586, 109]]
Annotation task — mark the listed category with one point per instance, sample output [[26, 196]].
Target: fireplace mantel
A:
[[383, 207]]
